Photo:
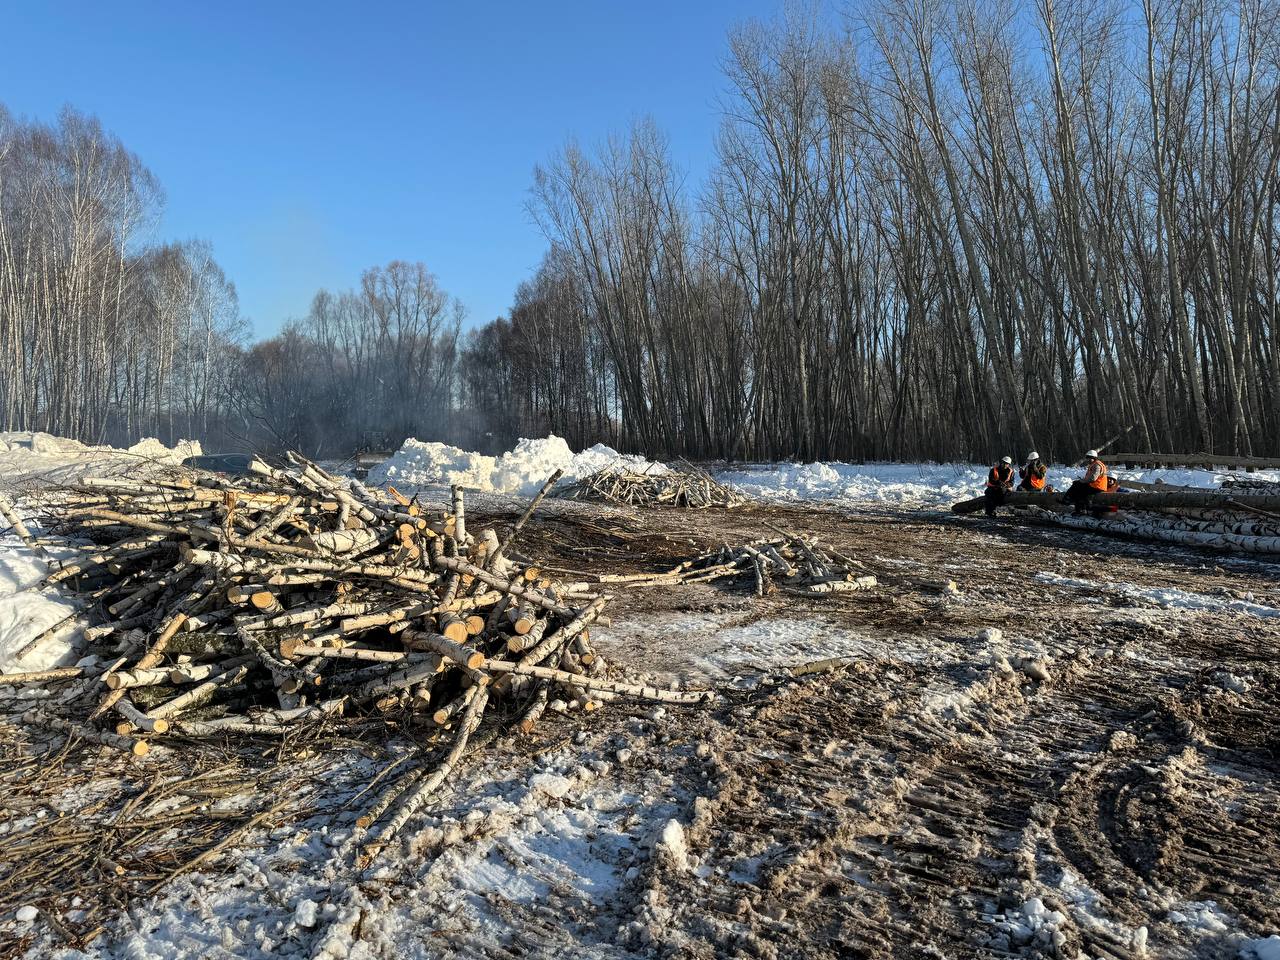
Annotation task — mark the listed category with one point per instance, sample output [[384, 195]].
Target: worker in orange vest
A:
[[1095, 481], [1033, 474], [999, 483]]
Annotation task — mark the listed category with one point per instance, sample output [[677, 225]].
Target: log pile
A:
[[788, 563], [1251, 486], [1241, 515], [684, 486], [1216, 530], [291, 599]]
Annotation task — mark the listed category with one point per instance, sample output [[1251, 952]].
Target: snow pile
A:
[[520, 472], [880, 482], [152, 449], [27, 456]]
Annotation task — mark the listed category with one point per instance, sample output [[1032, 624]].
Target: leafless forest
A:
[[933, 229]]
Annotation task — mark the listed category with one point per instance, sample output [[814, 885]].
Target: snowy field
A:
[[653, 834], [522, 471]]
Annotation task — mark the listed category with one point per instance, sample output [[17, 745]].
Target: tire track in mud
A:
[[1066, 812]]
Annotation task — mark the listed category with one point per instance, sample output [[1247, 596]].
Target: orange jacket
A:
[[1096, 475], [1034, 476], [1001, 476]]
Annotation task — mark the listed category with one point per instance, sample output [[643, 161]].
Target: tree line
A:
[[105, 337], [948, 229], [939, 229], [108, 337]]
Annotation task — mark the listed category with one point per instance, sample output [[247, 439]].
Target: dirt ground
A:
[[1038, 743], [1100, 780]]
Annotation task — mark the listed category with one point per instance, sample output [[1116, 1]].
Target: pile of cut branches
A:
[[292, 600], [685, 486], [791, 563]]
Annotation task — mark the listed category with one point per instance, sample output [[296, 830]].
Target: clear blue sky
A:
[[308, 141]]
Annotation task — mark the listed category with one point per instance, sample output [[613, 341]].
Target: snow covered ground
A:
[[27, 457], [522, 471], [27, 609]]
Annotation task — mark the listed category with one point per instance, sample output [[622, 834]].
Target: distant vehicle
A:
[[235, 464]]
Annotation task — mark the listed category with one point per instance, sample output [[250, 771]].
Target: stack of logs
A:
[[1232, 527], [684, 486], [790, 563], [263, 604]]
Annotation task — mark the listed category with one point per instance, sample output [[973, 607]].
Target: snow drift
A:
[[521, 472]]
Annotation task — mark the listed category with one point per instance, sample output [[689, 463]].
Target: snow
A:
[[1264, 949], [27, 609], [1032, 922], [887, 483], [923, 484], [26, 913], [28, 456], [1202, 915], [306, 913], [1170, 598], [672, 843], [520, 472]]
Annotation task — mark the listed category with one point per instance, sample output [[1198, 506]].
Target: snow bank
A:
[[894, 483], [25, 456], [521, 472]]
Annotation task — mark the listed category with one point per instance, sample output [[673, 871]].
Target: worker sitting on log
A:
[[999, 483], [1033, 474], [1095, 481]]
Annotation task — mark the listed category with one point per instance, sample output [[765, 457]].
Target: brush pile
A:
[[790, 563], [291, 600], [686, 487]]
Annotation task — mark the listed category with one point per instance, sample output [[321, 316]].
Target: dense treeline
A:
[[108, 338], [958, 228], [104, 337], [950, 229]]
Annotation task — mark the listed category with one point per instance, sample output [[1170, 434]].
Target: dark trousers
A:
[[1080, 494], [993, 497]]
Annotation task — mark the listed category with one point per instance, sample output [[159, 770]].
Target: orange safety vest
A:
[[999, 476], [1099, 481], [1034, 480]]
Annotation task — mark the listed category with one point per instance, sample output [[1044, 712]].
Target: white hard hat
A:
[[1006, 459], [1033, 455], [1092, 454]]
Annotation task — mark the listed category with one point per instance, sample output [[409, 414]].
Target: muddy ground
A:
[[1038, 743], [1111, 757]]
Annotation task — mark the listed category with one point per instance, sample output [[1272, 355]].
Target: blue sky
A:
[[308, 141]]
